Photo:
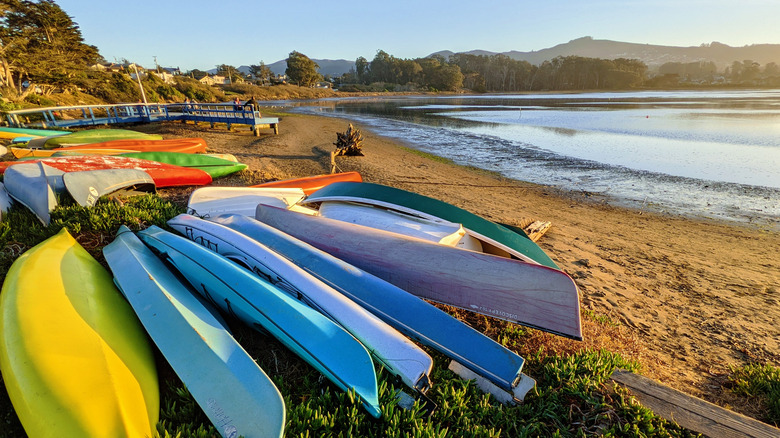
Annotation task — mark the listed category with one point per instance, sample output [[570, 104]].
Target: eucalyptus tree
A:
[[301, 70]]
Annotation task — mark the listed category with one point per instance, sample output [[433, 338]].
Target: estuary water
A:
[[709, 154]]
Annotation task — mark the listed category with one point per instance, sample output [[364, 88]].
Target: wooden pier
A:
[[91, 115]]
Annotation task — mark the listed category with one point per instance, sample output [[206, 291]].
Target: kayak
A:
[[115, 147], [74, 358], [12, 133], [313, 183], [90, 185], [260, 305], [496, 239], [97, 136], [33, 185], [164, 175], [216, 167], [233, 391]]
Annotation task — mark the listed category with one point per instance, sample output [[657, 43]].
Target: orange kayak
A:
[[311, 184]]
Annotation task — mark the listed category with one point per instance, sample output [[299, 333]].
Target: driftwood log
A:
[[349, 143]]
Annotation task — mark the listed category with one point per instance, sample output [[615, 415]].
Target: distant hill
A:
[[327, 67], [652, 55]]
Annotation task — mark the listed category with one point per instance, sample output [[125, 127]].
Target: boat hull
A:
[[313, 183], [74, 358], [497, 238], [519, 292]]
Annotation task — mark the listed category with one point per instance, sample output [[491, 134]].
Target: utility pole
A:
[[138, 77]]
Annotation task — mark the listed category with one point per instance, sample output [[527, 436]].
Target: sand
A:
[[687, 298]]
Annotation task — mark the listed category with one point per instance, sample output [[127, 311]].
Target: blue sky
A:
[[202, 34]]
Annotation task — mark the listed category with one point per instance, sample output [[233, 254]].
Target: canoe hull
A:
[[519, 292], [497, 238], [214, 200]]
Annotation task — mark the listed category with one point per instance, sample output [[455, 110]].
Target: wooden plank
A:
[[690, 412], [535, 230]]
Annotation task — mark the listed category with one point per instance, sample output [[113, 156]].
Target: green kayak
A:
[[97, 136], [514, 241], [216, 167]]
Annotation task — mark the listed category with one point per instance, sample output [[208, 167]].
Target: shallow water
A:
[[708, 154]]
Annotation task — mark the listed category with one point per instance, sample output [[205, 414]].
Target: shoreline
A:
[[687, 298]]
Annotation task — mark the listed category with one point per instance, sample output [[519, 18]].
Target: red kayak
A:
[[164, 175], [311, 184], [192, 145]]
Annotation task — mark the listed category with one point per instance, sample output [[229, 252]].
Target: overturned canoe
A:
[[233, 391], [74, 358], [525, 293], [496, 238], [164, 175]]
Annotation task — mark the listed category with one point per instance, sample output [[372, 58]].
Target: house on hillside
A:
[[214, 80], [109, 67]]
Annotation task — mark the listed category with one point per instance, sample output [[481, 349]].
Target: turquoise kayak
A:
[[238, 292], [511, 241], [216, 167], [236, 395]]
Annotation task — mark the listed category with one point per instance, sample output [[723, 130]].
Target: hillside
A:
[[652, 55]]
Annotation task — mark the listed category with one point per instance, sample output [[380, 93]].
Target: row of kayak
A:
[[93, 163]]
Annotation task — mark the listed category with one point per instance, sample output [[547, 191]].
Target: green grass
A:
[[573, 396], [761, 384]]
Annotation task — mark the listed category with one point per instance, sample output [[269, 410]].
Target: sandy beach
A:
[[686, 298]]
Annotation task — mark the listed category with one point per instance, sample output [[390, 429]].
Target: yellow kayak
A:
[[74, 358]]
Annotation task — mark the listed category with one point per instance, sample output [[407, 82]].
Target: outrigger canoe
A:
[[524, 293], [75, 359], [233, 391], [496, 239], [260, 305], [313, 183]]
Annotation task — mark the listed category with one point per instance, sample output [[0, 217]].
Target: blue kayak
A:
[[315, 338]]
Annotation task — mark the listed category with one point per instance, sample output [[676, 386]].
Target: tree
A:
[[301, 70], [230, 72], [40, 44], [261, 72]]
